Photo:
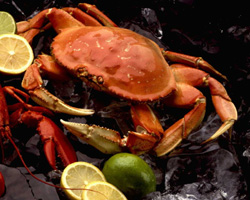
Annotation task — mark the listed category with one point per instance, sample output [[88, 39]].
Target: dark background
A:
[[219, 31]]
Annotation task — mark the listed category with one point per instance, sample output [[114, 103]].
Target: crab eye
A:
[[100, 79], [82, 72], [97, 79]]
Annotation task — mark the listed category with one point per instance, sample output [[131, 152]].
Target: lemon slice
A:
[[106, 191], [7, 23], [78, 175], [16, 54]]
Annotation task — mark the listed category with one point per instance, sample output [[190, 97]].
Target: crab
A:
[[127, 65]]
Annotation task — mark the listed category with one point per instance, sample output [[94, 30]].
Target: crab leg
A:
[[81, 16], [184, 96], [192, 61], [59, 20], [29, 29], [48, 67], [34, 23], [32, 82], [221, 101], [94, 11], [223, 106]]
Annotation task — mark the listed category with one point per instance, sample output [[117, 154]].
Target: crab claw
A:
[[145, 120], [32, 82], [105, 140], [148, 129], [139, 143]]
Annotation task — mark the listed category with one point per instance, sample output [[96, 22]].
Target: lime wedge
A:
[[7, 23]]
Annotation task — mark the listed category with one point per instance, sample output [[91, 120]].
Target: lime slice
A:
[[78, 175], [16, 54], [7, 23], [106, 191]]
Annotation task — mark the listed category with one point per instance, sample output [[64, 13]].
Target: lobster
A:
[[53, 139]]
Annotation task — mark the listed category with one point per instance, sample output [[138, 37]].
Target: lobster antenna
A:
[[40, 180]]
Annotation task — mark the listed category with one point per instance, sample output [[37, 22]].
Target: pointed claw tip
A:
[[105, 140], [227, 125], [90, 111], [67, 123], [85, 112], [62, 121]]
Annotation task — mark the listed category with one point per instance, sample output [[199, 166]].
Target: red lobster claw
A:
[[52, 137]]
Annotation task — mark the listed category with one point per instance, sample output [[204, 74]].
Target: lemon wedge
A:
[[78, 175], [16, 54]]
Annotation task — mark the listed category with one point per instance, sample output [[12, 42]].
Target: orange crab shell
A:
[[116, 60]]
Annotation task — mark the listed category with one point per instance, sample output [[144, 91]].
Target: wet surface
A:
[[220, 33]]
